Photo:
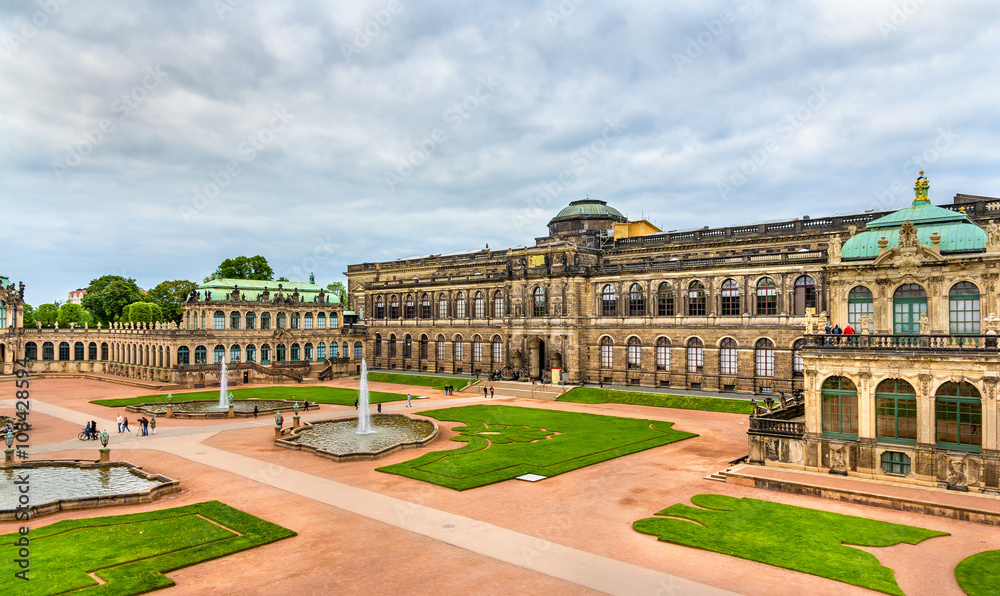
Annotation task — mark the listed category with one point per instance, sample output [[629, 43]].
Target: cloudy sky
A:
[[155, 139]]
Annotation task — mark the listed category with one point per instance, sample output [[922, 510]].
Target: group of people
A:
[[488, 393], [145, 425], [836, 330], [449, 390], [90, 430]]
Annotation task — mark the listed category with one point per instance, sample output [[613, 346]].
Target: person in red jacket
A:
[[848, 330]]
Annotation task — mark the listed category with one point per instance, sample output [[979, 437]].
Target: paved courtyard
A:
[[364, 530]]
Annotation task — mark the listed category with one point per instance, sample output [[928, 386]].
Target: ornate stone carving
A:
[[833, 250]]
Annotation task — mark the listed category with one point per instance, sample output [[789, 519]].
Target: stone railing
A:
[[904, 343], [784, 428]]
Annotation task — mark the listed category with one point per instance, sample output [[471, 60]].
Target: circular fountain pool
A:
[[210, 408], [339, 439]]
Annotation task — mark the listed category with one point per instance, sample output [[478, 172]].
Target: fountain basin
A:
[[67, 485], [338, 439], [242, 408]]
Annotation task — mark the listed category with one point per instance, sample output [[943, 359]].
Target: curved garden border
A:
[[141, 409], [358, 455], [165, 487]]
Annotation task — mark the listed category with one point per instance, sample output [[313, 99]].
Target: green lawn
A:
[[979, 575], [807, 540], [131, 552], [506, 441], [588, 395], [314, 393], [421, 380]]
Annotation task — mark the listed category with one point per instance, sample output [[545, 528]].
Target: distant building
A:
[[76, 296]]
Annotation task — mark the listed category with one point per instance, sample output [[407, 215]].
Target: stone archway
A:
[[536, 357]]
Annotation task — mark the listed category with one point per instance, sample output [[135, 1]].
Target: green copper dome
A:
[[958, 233], [590, 208]]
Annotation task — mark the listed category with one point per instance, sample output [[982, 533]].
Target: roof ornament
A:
[[920, 187]]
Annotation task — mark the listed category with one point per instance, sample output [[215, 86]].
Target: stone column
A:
[[925, 413], [866, 407]]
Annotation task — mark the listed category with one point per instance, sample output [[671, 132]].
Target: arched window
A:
[[334, 320], [358, 350], [460, 305], [798, 366], [441, 347], [378, 345], [3, 314], [379, 307], [665, 300], [321, 320], [265, 354], [458, 348], [48, 351], [219, 320], [607, 356], [477, 348], [425, 306], [479, 306], [308, 351], [443, 306], [321, 351], [839, 397], [498, 308], [805, 294], [251, 352], [860, 304], [497, 349], [31, 351], [394, 307], [392, 346], [265, 320], [234, 353], [346, 348], [423, 346], [251, 320], [409, 307], [78, 351], [282, 355], [307, 322], [281, 320], [64, 350], [963, 308], [200, 355], [636, 301], [634, 355], [183, 355], [295, 320], [219, 353], [407, 346], [728, 358], [662, 353], [234, 320], [959, 415], [767, 297], [335, 350], [896, 412], [609, 301], [695, 355], [908, 303], [730, 305], [538, 296], [764, 358], [696, 299], [104, 352]]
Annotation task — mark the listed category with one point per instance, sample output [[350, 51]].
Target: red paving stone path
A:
[[388, 533]]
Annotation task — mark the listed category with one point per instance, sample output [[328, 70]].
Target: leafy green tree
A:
[[170, 297], [282, 278], [337, 289], [73, 313], [107, 296], [242, 267], [142, 312], [29, 315], [47, 314]]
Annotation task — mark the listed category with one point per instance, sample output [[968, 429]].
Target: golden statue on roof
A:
[[920, 187]]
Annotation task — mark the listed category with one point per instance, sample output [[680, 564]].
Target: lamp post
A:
[[295, 418], [230, 396], [170, 406], [8, 454], [105, 452], [277, 425]]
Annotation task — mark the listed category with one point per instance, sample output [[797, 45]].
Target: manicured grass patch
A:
[[421, 380], [320, 395], [979, 575], [131, 552], [506, 441], [797, 538], [587, 395]]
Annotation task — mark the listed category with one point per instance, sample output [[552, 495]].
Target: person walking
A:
[[145, 426], [491, 393], [255, 410], [408, 405], [305, 404], [355, 402], [378, 406], [119, 424], [486, 392], [93, 429], [152, 424], [125, 424]]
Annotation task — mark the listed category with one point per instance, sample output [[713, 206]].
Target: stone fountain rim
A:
[[141, 408], [288, 443]]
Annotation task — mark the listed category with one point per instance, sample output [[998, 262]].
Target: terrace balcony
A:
[[943, 345]]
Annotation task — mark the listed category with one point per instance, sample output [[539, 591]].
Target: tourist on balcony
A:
[[848, 330]]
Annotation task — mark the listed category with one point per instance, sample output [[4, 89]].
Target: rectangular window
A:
[[634, 357], [497, 351], [665, 305], [477, 351], [896, 418], [441, 349], [606, 356], [765, 362], [459, 351], [696, 359], [767, 301], [309, 323], [840, 414], [963, 316], [662, 358], [894, 462], [728, 361], [856, 310]]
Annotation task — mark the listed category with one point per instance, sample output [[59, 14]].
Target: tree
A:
[[170, 297], [282, 278], [29, 315], [337, 289], [241, 267], [47, 314], [108, 296], [142, 312], [73, 313]]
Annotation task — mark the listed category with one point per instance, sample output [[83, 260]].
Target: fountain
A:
[[223, 383], [364, 416]]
